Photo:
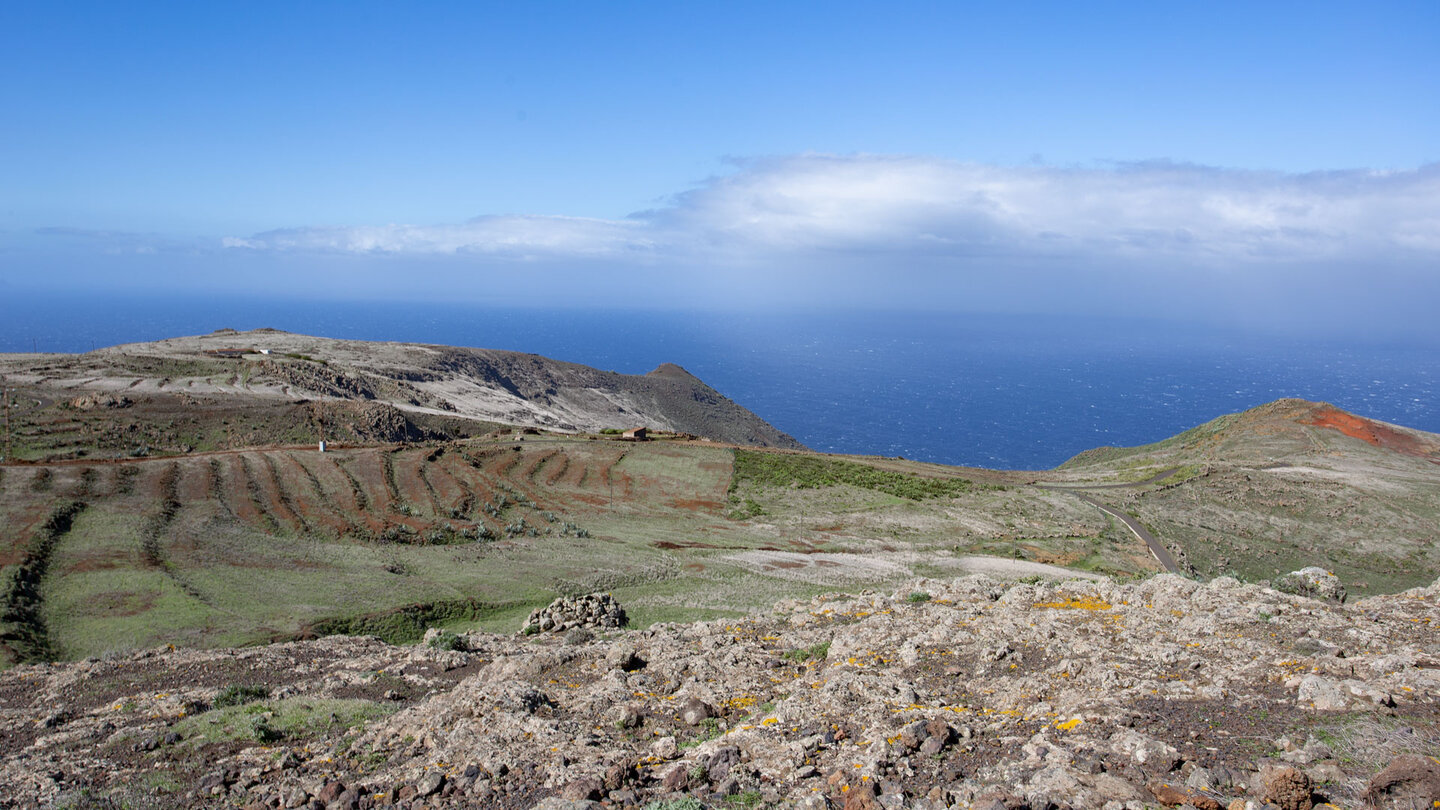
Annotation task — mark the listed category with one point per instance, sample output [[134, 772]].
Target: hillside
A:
[[234, 602], [277, 385], [409, 526], [1284, 485], [957, 693]]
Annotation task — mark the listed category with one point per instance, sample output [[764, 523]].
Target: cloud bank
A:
[[802, 210], [1354, 251]]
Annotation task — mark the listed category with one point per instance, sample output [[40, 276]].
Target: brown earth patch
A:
[[102, 561], [123, 603], [1371, 432], [669, 546], [695, 504]]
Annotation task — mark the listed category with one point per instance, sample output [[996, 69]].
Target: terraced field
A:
[[249, 545], [238, 547]]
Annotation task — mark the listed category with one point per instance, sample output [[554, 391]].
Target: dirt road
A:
[[1157, 549]]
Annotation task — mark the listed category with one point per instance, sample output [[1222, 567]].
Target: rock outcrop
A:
[[1312, 581], [1071, 694]]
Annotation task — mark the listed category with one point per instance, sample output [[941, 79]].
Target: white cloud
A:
[[518, 237], [783, 210]]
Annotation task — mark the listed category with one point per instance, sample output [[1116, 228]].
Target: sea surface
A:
[[1000, 391]]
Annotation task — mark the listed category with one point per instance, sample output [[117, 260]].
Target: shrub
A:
[[261, 730], [446, 640], [240, 694], [918, 596], [816, 651]]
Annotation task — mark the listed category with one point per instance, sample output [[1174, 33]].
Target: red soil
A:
[[410, 481], [314, 508], [192, 485], [235, 491], [1372, 432], [449, 490]]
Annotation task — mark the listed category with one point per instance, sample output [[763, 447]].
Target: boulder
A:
[[1286, 788], [1408, 781]]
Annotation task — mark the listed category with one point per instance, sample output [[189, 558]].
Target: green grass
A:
[[812, 472], [682, 803], [814, 651], [409, 623], [271, 721]]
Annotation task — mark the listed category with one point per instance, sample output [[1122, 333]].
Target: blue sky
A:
[[1201, 159]]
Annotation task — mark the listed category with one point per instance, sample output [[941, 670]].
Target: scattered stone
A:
[[584, 789], [429, 784], [1321, 693], [330, 792], [1149, 754], [1104, 707], [628, 660], [665, 748], [696, 711], [89, 402], [628, 715], [861, 798], [1177, 795], [677, 779]]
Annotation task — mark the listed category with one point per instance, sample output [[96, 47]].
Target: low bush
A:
[[240, 694]]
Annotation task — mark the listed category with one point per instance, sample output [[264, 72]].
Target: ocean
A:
[[1000, 391]]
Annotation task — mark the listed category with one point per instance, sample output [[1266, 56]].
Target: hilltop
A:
[[1283, 485], [266, 386]]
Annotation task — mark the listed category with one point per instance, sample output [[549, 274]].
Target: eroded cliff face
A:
[[969, 693]]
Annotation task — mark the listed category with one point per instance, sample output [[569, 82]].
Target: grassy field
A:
[[246, 546], [239, 547]]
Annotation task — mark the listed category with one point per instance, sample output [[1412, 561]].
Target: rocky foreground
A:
[[971, 693]]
